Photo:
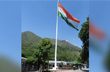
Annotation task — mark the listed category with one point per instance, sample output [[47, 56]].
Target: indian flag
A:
[[70, 20]]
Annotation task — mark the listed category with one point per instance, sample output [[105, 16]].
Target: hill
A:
[[66, 50], [66, 45]]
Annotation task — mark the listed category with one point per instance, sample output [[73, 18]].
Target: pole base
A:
[[54, 68]]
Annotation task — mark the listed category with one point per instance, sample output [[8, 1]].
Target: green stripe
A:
[[62, 16]]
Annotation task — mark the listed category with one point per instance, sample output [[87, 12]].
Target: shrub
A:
[[67, 63]]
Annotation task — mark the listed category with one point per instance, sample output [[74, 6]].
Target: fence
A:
[[26, 68]]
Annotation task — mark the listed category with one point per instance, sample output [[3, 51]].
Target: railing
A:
[[27, 68], [65, 68]]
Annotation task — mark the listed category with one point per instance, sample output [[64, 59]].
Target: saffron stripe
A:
[[68, 14]]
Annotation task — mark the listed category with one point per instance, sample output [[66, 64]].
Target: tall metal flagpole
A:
[[56, 37]]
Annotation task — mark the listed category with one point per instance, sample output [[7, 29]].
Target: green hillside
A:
[[29, 38], [67, 45], [66, 51]]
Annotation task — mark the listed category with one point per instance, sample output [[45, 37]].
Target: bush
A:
[[50, 64], [72, 64], [31, 59], [67, 63], [76, 63], [61, 63]]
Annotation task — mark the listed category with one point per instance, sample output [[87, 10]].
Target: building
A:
[[53, 62]]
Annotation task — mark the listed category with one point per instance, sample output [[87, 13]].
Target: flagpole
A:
[[56, 37]]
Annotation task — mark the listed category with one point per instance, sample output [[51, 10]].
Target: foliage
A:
[[72, 64], [28, 52], [66, 45], [84, 36], [64, 54], [61, 63], [82, 64], [31, 59], [76, 63], [50, 64], [30, 39], [79, 59], [45, 62], [23, 55], [42, 50], [66, 51], [67, 63]]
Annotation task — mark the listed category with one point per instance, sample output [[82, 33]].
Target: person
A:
[[74, 67]]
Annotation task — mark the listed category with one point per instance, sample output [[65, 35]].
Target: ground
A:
[[67, 71], [72, 71]]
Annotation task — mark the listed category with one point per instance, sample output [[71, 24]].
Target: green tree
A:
[[28, 52], [79, 59], [50, 64], [43, 49], [31, 60], [72, 64], [76, 64], [23, 55], [67, 63], [84, 36]]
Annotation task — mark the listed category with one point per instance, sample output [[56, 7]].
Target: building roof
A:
[[64, 62], [23, 58], [51, 61]]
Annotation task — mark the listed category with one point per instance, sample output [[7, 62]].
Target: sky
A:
[[39, 17], [10, 31]]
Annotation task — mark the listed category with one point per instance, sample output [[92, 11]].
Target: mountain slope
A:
[[65, 44], [29, 38], [65, 49]]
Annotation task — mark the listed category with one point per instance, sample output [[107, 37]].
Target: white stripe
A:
[[60, 10], [73, 22]]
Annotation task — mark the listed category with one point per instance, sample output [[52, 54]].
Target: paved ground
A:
[[72, 71], [67, 71]]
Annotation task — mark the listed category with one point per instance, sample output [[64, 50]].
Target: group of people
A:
[[74, 67]]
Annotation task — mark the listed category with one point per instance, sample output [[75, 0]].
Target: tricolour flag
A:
[[70, 20]]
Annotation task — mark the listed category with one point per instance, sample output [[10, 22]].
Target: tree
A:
[[61, 64], [67, 63], [79, 59], [42, 50], [50, 64], [72, 64], [31, 60], [76, 64], [23, 55], [28, 52], [84, 36]]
